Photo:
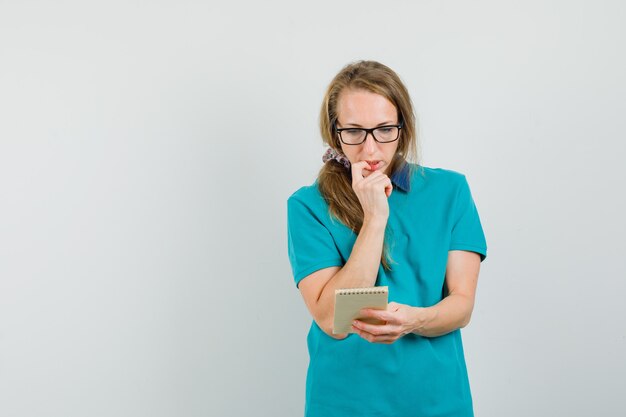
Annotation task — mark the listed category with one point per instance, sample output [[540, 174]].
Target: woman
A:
[[372, 218]]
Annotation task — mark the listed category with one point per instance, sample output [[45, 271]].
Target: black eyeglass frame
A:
[[367, 132]]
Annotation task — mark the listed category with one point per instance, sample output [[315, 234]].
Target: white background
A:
[[147, 150]]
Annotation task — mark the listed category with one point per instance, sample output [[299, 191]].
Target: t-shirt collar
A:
[[402, 178]]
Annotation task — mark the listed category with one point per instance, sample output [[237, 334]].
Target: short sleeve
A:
[[467, 231], [311, 246]]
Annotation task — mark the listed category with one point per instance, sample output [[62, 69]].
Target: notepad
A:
[[349, 301]]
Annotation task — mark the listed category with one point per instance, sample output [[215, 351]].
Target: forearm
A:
[[451, 313], [360, 270]]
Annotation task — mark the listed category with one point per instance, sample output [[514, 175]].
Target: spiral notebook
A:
[[349, 301]]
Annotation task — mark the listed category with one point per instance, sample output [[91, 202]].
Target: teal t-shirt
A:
[[431, 213]]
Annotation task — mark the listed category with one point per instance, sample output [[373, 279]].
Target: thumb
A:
[[393, 306]]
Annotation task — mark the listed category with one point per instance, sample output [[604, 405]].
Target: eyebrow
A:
[[379, 124]]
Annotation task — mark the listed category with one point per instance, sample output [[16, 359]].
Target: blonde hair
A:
[[334, 180]]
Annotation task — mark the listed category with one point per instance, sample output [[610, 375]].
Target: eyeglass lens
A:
[[381, 134]]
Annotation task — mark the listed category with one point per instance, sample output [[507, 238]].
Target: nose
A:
[[370, 145]]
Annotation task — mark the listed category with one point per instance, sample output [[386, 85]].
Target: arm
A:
[[361, 268], [455, 310], [318, 289], [451, 313]]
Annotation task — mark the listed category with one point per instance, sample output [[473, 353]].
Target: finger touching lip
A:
[[360, 164]]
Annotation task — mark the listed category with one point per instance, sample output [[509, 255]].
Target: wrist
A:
[[375, 222], [421, 317]]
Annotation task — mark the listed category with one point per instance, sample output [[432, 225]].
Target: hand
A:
[[398, 320], [372, 191]]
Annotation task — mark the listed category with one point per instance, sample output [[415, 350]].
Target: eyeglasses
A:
[[357, 135]]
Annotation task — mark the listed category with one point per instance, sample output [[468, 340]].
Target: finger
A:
[[376, 180], [374, 329], [387, 185], [357, 171], [388, 190], [367, 336], [382, 315], [379, 177], [385, 339], [370, 337], [393, 306], [373, 178], [373, 338]]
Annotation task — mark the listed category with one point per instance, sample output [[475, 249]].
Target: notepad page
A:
[[349, 301]]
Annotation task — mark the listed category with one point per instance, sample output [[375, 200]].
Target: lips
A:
[[374, 165]]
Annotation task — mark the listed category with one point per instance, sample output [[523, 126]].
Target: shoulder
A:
[[308, 195], [437, 178], [308, 200]]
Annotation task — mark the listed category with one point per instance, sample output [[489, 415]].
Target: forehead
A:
[[364, 107]]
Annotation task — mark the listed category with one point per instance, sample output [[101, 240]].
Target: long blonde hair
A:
[[334, 180]]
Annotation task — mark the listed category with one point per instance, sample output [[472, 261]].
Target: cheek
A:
[[349, 153], [392, 152]]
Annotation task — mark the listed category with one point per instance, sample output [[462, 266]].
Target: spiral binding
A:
[[354, 291]]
